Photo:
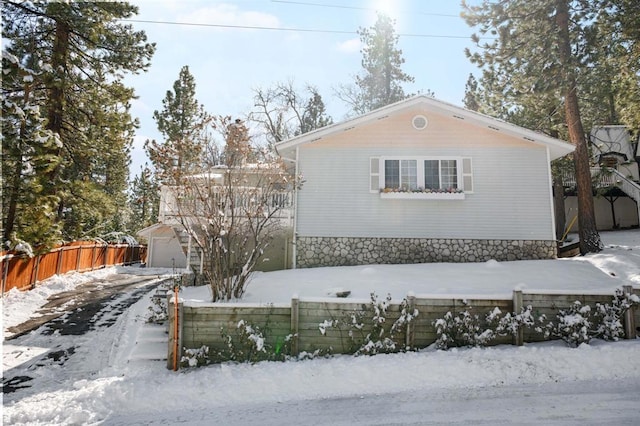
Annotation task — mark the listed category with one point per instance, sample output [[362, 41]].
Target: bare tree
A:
[[232, 211], [284, 111]]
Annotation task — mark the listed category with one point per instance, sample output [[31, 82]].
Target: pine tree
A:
[[144, 200], [314, 115], [181, 122], [471, 94], [539, 49], [382, 80], [78, 52], [27, 213]]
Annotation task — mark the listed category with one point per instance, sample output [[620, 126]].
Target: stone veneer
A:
[[340, 251]]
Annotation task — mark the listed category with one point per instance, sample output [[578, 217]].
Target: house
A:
[[422, 180], [183, 209], [615, 157]]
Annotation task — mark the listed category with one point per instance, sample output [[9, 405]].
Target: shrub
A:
[[249, 344], [574, 324], [195, 357], [465, 329], [609, 317], [368, 329], [462, 329]]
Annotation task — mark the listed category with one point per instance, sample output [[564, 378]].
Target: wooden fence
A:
[[23, 272], [200, 324]]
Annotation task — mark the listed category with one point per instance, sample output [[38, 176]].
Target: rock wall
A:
[[333, 251]]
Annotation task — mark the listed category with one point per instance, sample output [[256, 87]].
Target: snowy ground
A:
[[112, 378]]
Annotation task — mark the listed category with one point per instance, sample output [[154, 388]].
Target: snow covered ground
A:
[[111, 379]]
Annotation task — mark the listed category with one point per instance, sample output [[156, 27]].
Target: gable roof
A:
[[557, 147]]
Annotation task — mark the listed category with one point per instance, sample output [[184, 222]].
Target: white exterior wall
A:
[[510, 201]]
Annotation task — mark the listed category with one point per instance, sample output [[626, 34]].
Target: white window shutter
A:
[[467, 175], [374, 174]]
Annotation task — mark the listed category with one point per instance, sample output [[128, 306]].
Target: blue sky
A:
[[229, 63]]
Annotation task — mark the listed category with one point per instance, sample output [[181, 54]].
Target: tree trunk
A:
[[558, 202], [56, 101], [589, 237]]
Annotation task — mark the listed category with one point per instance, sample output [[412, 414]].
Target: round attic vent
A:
[[419, 122]]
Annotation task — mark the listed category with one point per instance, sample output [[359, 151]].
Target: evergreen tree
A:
[[471, 94], [181, 122], [381, 82], [539, 49], [78, 52], [27, 213], [314, 115], [144, 200]]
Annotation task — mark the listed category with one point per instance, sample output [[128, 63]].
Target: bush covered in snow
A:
[[368, 329], [249, 344], [580, 323], [195, 357], [465, 329], [462, 329]]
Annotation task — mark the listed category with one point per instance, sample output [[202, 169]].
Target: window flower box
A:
[[421, 194]]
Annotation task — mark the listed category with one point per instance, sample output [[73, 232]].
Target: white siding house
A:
[[422, 180]]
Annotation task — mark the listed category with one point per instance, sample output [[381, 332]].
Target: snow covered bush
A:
[[195, 357], [368, 330], [249, 344], [511, 323], [157, 312], [580, 323], [574, 324], [465, 329], [609, 317], [462, 329]]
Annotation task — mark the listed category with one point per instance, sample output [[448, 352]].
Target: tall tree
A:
[[27, 213], [144, 200], [382, 79], [181, 122], [540, 47], [283, 111], [78, 52]]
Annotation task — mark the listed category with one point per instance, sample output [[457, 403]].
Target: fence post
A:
[[629, 316], [93, 254], [295, 302], [518, 338], [34, 272], [411, 302], [59, 260], [79, 258], [176, 314], [5, 271]]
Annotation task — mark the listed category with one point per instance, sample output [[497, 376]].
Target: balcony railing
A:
[[243, 201]]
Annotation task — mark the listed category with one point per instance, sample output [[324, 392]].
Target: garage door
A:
[[166, 253]]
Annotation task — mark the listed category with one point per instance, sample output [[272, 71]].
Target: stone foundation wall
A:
[[333, 251]]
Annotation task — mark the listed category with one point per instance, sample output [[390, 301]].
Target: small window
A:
[[419, 122]]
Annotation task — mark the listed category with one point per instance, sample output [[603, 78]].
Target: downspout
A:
[[551, 200], [294, 249]]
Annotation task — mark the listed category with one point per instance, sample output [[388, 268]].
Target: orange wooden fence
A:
[[23, 273]]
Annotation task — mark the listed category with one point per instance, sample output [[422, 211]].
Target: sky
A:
[[229, 63], [115, 375]]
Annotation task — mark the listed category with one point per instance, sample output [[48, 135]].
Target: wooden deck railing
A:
[[23, 272]]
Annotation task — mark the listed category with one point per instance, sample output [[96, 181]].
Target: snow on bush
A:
[[195, 357], [368, 329], [250, 344]]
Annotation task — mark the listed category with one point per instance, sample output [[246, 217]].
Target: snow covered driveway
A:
[[63, 332]]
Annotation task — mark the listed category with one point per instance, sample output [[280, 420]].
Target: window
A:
[[401, 174], [421, 175]]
